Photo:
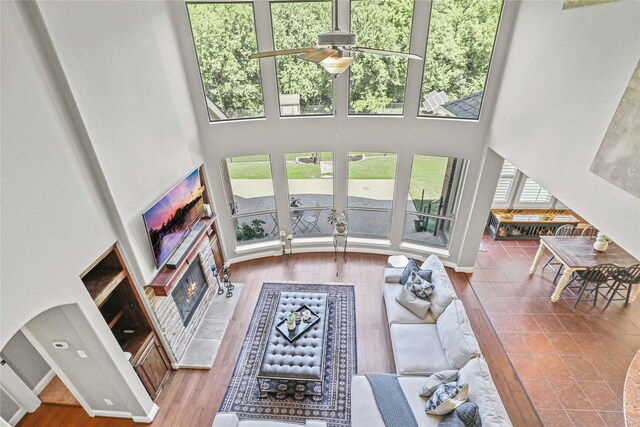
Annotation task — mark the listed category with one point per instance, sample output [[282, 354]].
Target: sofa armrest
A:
[[392, 275], [226, 419], [315, 423]]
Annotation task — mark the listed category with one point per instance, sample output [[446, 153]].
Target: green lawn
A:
[[427, 174]]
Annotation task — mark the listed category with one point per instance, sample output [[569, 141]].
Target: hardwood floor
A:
[[192, 397]]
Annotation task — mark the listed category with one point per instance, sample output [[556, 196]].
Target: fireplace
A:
[[188, 292]]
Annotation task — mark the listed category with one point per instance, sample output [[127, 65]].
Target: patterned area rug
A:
[[334, 407]]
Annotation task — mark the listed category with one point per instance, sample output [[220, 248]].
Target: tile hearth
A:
[[203, 349]]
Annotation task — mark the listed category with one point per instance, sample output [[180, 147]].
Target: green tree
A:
[[295, 25], [460, 42], [377, 81], [224, 36]]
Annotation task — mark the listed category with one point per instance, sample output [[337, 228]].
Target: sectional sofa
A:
[[443, 340]]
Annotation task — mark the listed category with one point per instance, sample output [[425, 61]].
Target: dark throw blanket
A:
[[391, 402]]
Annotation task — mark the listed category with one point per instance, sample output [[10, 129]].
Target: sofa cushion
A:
[[457, 338], [447, 398], [412, 266], [417, 349], [435, 380], [443, 292], [465, 415], [392, 275], [413, 303], [364, 412], [482, 391], [418, 286], [396, 313]]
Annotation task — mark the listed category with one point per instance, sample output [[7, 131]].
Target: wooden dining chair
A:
[[590, 281], [567, 230], [589, 231], [624, 281]]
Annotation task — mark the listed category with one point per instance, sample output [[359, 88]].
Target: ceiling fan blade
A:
[[382, 52], [318, 55], [280, 52]]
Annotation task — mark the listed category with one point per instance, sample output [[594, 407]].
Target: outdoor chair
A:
[[590, 281], [624, 281], [311, 220], [564, 231]]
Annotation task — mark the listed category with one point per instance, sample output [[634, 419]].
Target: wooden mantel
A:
[[167, 277]]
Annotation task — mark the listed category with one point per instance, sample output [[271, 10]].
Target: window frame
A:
[[486, 80], [234, 216], [195, 52], [406, 75], [275, 61], [515, 192], [322, 208], [369, 209], [461, 179]]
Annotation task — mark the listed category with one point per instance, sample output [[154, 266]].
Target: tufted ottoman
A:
[[295, 367]]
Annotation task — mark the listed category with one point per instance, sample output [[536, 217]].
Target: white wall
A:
[[53, 224], [564, 77], [114, 65], [54, 220], [25, 360]]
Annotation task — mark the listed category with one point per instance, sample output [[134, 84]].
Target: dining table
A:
[[576, 253]]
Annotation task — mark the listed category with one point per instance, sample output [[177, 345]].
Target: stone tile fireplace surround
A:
[[177, 335]]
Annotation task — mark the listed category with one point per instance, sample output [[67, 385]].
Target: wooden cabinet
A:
[[108, 282], [152, 367]]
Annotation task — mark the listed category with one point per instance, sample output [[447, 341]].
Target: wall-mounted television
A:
[[171, 218]]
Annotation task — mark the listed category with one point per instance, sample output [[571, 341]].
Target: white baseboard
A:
[[44, 382], [112, 414], [149, 418], [17, 417]]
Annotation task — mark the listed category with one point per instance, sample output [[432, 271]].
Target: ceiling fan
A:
[[329, 52]]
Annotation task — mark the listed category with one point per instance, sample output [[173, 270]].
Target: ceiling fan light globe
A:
[[336, 65]]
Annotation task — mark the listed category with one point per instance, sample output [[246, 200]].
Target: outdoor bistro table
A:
[[576, 253]]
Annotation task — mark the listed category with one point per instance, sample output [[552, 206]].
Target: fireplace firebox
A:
[[189, 291]]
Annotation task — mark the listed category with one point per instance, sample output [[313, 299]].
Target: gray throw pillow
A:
[[447, 398], [412, 266], [418, 286], [465, 415], [436, 380], [411, 302]]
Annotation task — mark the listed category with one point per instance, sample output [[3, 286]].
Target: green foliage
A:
[[460, 42], [377, 81], [251, 231], [296, 25], [224, 36]]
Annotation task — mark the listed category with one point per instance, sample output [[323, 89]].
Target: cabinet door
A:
[[152, 369]]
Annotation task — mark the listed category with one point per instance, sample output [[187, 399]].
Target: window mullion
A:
[[264, 37]]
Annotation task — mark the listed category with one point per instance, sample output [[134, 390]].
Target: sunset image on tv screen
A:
[[171, 218]]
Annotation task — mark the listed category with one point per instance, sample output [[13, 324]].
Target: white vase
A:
[[600, 245]]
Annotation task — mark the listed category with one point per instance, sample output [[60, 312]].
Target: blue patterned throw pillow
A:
[[465, 415], [447, 398], [412, 266], [419, 287]]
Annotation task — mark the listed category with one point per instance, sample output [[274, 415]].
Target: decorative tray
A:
[[301, 327]]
